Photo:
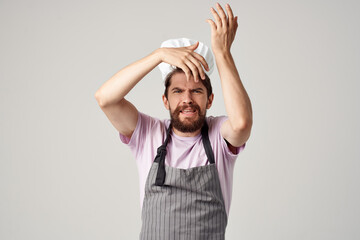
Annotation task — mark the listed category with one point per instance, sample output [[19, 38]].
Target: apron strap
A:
[[161, 153], [206, 142], [160, 158]]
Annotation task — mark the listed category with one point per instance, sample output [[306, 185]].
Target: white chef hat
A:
[[202, 49]]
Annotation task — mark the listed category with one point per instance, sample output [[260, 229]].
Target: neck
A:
[[186, 134]]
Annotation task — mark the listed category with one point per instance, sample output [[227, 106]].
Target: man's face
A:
[[187, 103]]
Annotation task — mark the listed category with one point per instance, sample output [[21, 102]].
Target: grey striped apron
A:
[[183, 204]]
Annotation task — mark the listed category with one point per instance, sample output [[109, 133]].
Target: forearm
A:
[[237, 102], [119, 85]]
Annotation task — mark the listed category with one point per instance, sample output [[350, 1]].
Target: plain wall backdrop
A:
[[64, 174]]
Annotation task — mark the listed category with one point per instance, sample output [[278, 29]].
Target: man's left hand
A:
[[224, 28]]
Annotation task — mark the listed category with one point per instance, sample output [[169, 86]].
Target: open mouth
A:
[[188, 111]]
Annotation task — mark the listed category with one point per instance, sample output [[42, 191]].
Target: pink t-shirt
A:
[[182, 152]]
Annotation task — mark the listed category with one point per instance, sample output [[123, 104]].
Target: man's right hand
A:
[[185, 58]]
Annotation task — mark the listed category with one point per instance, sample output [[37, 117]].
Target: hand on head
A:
[[192, 63]]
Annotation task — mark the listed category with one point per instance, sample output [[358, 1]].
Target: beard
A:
[[187, 126]]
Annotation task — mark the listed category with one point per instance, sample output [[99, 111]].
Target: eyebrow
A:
[[176, 88], [194, 89], [197, 89]]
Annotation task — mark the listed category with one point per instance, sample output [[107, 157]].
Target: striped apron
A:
[[183, 204]]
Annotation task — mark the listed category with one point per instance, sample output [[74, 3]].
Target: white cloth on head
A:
[[202, 49]]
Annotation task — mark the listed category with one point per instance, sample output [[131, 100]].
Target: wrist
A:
[[222, 53], [158, 55]]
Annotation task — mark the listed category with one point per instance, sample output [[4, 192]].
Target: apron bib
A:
[[183, 204]]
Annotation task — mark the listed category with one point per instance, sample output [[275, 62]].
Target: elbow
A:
[[242, 125], [105, 101], [99, 99]]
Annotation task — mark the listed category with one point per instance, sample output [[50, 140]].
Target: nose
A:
[[187, 98]]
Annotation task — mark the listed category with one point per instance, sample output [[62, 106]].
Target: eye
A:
[[177, 91], [197, 91]]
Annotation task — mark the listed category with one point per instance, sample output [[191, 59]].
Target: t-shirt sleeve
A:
[[216, 123], [136, 142]]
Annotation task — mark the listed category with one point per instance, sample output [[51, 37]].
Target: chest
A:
[[185, 154]]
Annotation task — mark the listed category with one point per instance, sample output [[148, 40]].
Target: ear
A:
[[166, 102], [210, 101]]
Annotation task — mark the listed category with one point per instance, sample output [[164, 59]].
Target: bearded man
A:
[[186, 163]]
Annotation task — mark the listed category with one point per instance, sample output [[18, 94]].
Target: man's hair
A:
[[206, 82]]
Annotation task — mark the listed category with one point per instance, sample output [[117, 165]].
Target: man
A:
[[186, 163]]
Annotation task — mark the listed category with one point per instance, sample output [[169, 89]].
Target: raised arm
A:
[[110, 96], [236, 130]]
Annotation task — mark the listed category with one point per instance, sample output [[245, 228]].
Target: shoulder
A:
[[146, 127], [215, 122], [149, 121], [150, 125]]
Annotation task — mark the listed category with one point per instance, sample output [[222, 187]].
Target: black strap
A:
[[161, 153], [206, 142], [160, 158]]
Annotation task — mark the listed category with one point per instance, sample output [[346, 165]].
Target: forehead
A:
[[179, 80]]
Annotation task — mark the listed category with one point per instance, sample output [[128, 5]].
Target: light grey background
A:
[[64, 173]]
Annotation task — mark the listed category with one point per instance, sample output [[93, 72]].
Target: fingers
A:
[[199, 70], [194, 68], [222, 19], [191, 67], [194, 46], [212, 25], [186, 70], [195, 63], [202, 60], [230, 15], [229, 11], [216, 17], [192, 63], [222, 15]]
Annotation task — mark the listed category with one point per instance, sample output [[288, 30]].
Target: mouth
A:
[[188, 112]]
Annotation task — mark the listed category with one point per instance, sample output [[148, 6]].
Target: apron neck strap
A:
[[168, 136], [206, 142], [161, 152]]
